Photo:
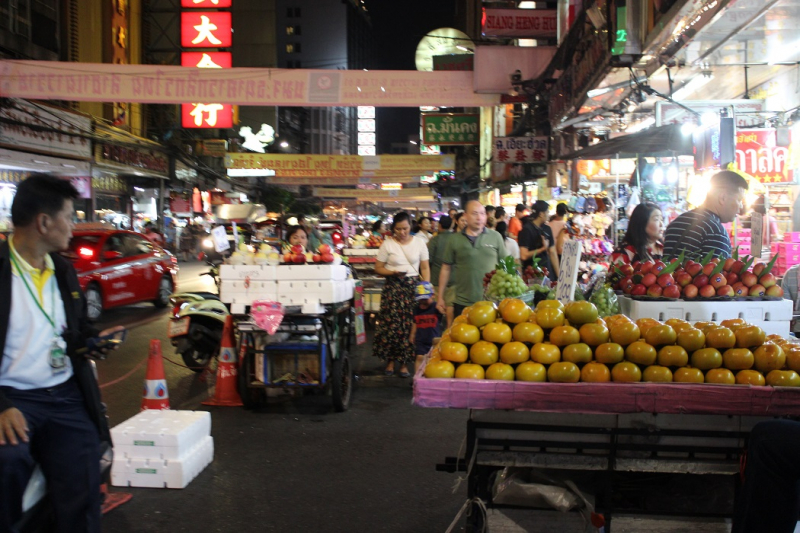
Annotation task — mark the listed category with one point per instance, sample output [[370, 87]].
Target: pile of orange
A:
[[567, 344]]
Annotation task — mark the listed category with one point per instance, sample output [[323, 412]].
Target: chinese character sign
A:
[[206, 3], [520, 149], [198, 115], [207, 59], [206, 29]]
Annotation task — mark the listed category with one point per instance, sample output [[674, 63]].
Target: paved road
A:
[[294, 466]]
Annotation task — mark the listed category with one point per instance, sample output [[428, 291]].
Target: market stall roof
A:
[[666, 141]]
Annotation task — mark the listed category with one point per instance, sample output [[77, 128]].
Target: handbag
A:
[[419, 288]]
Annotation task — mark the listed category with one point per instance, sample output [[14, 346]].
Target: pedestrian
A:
[[403, 261], [768, 499], [297, 235], [558, 221], [642, 241], [170, 236], [315, 237], [536, 240], [512, 248], [427, 322], [424, 232], [452, 213], [500, 215], [489, 211], [461, 223], [700, 230], [50, 408], [377, 228], [470, 255], [436, 249], [515, 224], [187, 241], [153, 235]]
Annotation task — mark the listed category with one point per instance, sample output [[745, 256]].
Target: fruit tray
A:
[[711, 299], [606, 398]]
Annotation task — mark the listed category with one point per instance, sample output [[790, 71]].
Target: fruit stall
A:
[[639, 423], [294, 322]]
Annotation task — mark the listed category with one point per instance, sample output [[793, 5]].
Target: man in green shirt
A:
[[472, 253]]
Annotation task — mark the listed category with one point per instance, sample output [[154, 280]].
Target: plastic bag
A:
[[605, 299], [267, 315]]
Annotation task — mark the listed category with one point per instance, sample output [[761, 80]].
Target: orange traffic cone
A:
[[226, 392], [156, 395]]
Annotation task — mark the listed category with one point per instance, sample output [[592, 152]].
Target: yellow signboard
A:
[[341, 166], [342, 181], [374, 194]]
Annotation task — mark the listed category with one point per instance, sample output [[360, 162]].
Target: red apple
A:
[[638, 290], [701, 281], [649, 279], [729, 262], [740, 289], [759, 268], [749, 279], [627, 270], [317, 258], [767, 280], [658, 266], [714, 260], [737, 267], [732, 278], [679, 270], [725, 290], [636, 265], [324, 249], [774, 290], [287, 257], [709, 268], [298, 258], [757, 290], [327, 258], [707, 291], [683, 279], [690, 291], [654, 290], [671, 291], [628, 289], [646, 267], [694, 268], [666, 280], [717, 281], [297, 249]]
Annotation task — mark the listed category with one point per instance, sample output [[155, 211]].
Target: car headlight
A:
[[208, 243]]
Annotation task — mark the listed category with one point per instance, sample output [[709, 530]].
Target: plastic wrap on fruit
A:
[[606, 301], [267, 315]]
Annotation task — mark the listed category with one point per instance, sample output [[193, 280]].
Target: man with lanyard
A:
[[50, 410], [473, 252], [536, 240]]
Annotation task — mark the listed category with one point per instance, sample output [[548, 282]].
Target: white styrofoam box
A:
[[750, 310], [363, 252], [160, 473], [238, 308], [242, 272], [239, 291], [311, 272], [307, 292], [164, 434]]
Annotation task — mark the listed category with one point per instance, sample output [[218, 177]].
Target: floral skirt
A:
[[393, 332]]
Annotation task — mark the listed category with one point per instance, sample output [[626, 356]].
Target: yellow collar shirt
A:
[[26, 354]]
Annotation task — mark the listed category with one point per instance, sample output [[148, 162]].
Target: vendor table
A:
[[614, 435]]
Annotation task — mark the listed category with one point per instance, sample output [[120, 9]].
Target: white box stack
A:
[[363, 252], [773, 316], [161, 449]]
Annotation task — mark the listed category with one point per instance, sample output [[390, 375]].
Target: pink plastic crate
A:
[[792, 236], [788, 260], [744, 249], [743, 233], [786, 248], [779, 270]]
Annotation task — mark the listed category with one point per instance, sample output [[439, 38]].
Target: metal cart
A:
[[308, 351]]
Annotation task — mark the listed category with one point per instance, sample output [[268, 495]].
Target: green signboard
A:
[[450, 128]]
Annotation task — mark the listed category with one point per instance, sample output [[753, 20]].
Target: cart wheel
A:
[[251, 398], [341, 382]]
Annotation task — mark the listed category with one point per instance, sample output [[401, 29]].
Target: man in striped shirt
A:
[[700, 231]]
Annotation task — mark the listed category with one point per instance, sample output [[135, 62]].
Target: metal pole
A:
[[616, 204]]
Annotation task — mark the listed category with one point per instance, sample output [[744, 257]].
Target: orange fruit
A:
[[737, 359], [527, 332], [497, 332], [657, 374], [732, 322], [549, 317], [579, 313], [515, 311], [688, 375], [783, 378], [626, 372], [792, 357], [470, 371], [483, 353], [530, 371], [691, 339], [577, 353], [500, 372], [564, 335], [624, 332], [461, 319], [465, 333], [439, 369], [482, 313], [563, 372], [749, 336], [641, 353], [609, 353], [673, 356], [646, 323], [706, 359], [549, 304], [545, 353], [454, 351], [595, 373], [721, 376], [769, 357], [593, 334], [720, 338], [660, 335], [750, 377], [514, 352]]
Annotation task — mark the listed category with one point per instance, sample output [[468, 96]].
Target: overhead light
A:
[[138, 189], [692, 86], [284, 144], [688, 128], [658, 175], [785, 53], [672, 174], [598, 92], [709, 119], [631, 107]]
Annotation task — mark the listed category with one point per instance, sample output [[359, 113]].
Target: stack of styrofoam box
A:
[[366, 252], [773, 316], [743, 242], [313, 284], [788, 255], [161, 449], [244, 284]]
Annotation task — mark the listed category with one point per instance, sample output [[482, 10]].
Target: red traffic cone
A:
[[156, 395], [226, 392]]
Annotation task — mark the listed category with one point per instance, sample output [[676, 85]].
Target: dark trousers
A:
[[65, 443], [458, 309], [768, 500]]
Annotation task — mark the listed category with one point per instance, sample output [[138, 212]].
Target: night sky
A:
[[398, 27]]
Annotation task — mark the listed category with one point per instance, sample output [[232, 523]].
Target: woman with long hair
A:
[[642, 241], [403, 261]]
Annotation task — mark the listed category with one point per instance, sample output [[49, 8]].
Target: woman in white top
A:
[[424, 232], [512, 248], [403, 261]]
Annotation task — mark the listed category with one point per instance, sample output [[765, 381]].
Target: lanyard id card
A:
[[58, 355]]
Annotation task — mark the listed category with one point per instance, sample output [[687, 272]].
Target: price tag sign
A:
[[220, 237], [568, 272], [756, 234]]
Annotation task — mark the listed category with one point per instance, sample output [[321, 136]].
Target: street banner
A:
[[163, 84], [450, 128], [375, 195], [342, 181], [520, 149], [520, 23], [341, 166]]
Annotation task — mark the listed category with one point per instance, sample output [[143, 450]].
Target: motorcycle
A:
[[195, 328]]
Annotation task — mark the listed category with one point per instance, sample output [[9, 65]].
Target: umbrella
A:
[[664, 141]]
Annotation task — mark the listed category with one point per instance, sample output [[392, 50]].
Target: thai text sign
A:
[[341, 166], [450, 128], [520, 149], [748, 113], [374, 194], [159, 84], [758, 155], [43, 140], [525, 23], [344, 181], [568, 272]]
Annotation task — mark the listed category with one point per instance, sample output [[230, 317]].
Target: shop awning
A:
[[666, 141]]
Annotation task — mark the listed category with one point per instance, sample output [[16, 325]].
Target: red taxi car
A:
[[118, 267]]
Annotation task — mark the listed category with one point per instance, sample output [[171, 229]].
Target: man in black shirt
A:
[[536, 240], [700, 231]]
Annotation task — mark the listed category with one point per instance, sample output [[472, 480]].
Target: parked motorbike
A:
[[195, 328]]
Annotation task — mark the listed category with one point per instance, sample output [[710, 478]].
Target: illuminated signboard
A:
[[366, 124], [366, 150], [391, 186], [207, 59], [366, 111], [206, 29], [206, 3], [366, 139]]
